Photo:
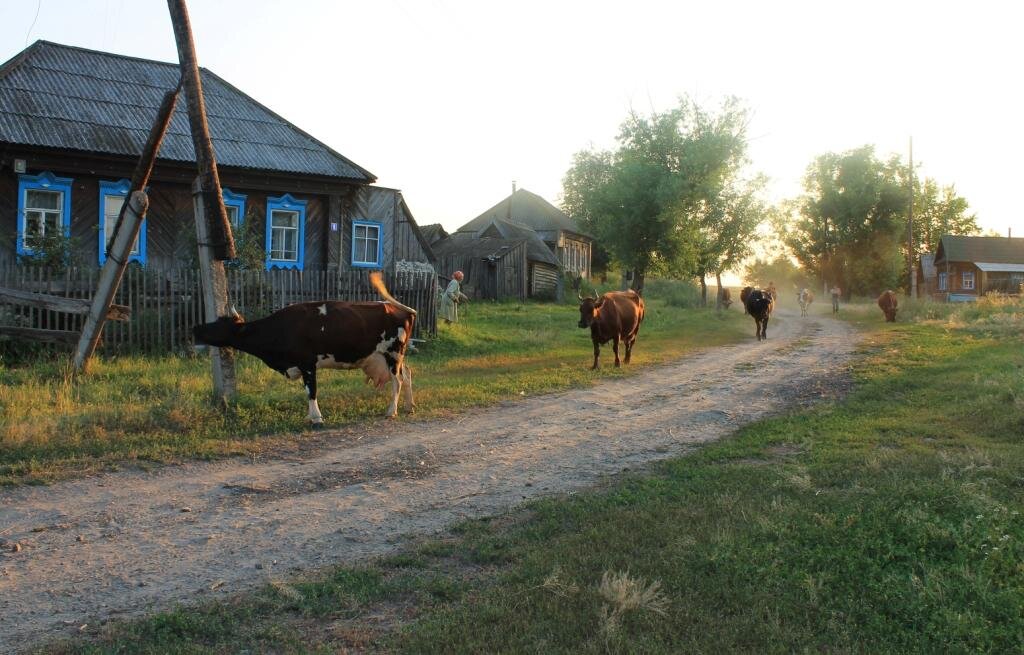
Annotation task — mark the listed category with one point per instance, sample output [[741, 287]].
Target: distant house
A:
[[968, 267], [73, 121], [521, 223], [570, 244]]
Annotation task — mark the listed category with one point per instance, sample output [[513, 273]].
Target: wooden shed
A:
[[494, 268]]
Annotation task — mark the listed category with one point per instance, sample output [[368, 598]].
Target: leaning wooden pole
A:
[[213, 230], [125, 231]]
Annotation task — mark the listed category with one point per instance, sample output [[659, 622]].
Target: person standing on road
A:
[[451, 298], [836, 292]]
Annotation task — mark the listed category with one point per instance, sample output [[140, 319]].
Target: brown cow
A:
[[759, 305], [614, 316], [301, 338], [726, 298], [744, 294], [888, 304]]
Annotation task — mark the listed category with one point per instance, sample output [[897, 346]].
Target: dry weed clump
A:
[[624, 594]]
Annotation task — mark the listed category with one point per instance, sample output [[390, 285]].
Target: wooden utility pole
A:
[[912, 286], [213, 230], [125, 231]]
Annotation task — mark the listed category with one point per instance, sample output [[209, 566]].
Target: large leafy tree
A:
[[725, 224], [850, 220], [642, 199], [937, 211]]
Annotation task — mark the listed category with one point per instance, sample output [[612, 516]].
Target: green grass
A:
[[145, 409], [888, 522]]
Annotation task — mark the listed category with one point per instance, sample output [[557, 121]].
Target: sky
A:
[[451, 101]]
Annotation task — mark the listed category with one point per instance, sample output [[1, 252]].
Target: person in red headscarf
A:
[[451, 298]]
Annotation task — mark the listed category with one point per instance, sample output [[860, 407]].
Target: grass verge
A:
[[144, 409], [888, 522]]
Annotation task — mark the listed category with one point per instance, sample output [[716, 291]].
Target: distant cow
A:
[[726, 298], [805, 298], [888, 304], [759, 304], [299, 339], [744, 294], [614, 316]]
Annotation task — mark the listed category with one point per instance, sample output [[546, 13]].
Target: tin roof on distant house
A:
[[527, 209], [59, 96], [993, 250]]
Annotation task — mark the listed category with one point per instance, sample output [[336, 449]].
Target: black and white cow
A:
[[301, 338], [759, 304]]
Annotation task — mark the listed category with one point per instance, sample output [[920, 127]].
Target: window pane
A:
[[232, 214], [51, 224], [42, 199], [285, 219], [111, 210], [33, 223], [360, 232]]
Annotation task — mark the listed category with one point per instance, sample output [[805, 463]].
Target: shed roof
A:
[[536, 249], [433, 232], [466, 244], [527, 209], [996, 250], [65, 97]]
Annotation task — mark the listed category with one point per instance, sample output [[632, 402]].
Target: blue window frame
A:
[[234, 203], [44, 207], [113, 195], [367, 244], [286, 232]]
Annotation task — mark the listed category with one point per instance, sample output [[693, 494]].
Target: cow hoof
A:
[[317, 425]]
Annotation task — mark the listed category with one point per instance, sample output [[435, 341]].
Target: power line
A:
[[39, 4]]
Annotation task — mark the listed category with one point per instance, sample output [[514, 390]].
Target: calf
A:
[[759, 304], [614, 316], [888, 303], [726, 298], [301, 338], [805, 298]]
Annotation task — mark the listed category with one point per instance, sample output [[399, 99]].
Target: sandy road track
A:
[[126, 543]]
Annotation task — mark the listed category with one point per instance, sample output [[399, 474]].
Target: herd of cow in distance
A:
[[374, 336]]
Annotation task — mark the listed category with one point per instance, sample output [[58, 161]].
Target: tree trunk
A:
[[703, 291], [639, 275], [718, 294]]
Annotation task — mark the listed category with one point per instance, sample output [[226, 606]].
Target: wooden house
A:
[[73, 121], [571, 245], [969, 267], [501, 260]]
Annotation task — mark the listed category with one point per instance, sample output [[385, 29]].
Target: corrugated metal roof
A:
[[980, 249], [527, 209], [58, 96], [990, 267]]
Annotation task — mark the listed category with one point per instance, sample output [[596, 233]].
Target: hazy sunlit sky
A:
[[450, 101]]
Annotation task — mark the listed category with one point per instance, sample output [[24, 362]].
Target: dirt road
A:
[[126, 543]]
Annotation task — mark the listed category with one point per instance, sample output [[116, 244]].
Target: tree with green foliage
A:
[[938, 211], [641, 200], [850, 221], [726, 224]]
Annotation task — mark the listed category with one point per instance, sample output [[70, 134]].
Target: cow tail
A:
[[377, 282]]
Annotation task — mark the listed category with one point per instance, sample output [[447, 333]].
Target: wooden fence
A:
[[166, 304]]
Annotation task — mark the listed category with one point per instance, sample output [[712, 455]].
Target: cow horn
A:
[[234, 312], [579, 294]]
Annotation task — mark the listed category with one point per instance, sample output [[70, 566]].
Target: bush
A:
[[675, 293]]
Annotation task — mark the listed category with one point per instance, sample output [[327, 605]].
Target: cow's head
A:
[[220, 332], [589, 310]]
